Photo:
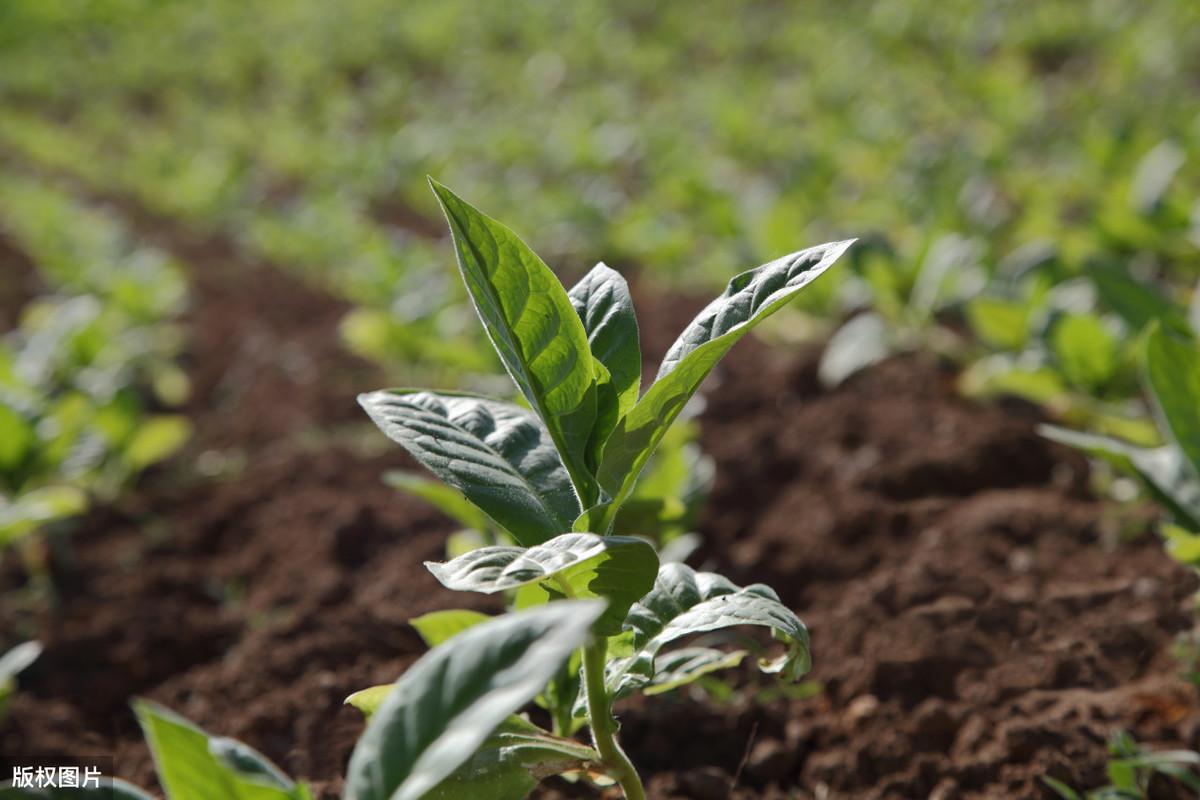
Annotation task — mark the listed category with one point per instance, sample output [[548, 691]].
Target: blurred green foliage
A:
[[686, 139], [87, 373]]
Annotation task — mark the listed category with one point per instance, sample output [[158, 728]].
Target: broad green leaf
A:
[[1085, 349], [488, 773], [448, 703], [532, 325], [748, 299], [607, 414], [1173, 374], [604, 305], [195, 766], [619, 569], [437, 627], [497, 454], [155, 439], [680, 667], [109, 789], [685, 602], [444, 498], [1162, 470]]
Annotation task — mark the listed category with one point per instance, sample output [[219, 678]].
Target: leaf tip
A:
[[839, 248], [440, 191], [437, 569]]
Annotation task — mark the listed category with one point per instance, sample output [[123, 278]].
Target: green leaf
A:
[[685, 602], [38, 507], [442, 497], [998, 322], [1162, 470], [488, 773], [369, 700], [1136, 302], [248, 764], [607, 413], [455, 696], [1086, 350], [1172, 369], [109, 789], [16, 437], [437, 627], [619, 569], [509, 763], [533, 326], [497, 454], [1183, 545], [1061, 789], [687, 664], [11, 664], [192, 765], [604, 305], [155, 439], [1000, 374], [858, 344], [748, 299], [18, 659]]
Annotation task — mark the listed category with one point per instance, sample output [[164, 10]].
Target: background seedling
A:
[[1133, 769]]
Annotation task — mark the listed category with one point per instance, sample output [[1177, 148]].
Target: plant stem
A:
[[604, 726]]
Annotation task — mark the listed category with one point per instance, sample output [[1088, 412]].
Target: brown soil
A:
[[972, 628]]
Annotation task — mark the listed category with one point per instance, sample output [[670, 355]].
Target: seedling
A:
[[1170, 473], [82, 373], [554, 477]]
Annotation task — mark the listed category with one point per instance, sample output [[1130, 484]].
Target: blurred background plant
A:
[[658, 137], [88, 372]]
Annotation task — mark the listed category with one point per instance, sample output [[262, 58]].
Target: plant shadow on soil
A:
[[970, 629]]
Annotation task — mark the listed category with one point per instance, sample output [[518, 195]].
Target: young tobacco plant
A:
[[553, 479]]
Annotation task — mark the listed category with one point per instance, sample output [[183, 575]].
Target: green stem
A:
[[604, 726]]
